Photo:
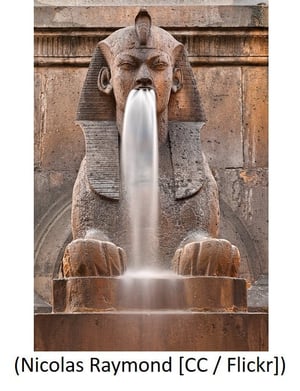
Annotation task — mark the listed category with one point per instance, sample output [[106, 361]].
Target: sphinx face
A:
[[142, 68]]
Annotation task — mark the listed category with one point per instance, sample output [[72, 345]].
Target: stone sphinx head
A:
[[140, 56]]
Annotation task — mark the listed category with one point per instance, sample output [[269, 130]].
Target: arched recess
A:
[[52, 234], [235, 230]]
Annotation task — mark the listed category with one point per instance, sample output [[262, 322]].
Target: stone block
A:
[[258, 297], [120, 15], [220, 89], [170, 292], [151, 331], [255, 116], [60, 142]]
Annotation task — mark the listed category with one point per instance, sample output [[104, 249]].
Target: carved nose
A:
[[144, 82], [143, 78]]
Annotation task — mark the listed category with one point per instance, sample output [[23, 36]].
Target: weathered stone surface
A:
[[209, 257], [50, 188], [221, 136], [102, 154], [156, 331], [163, 291], [164, 16], [144, 2], [258, 296], [246, 193], [255, 116], [39, 115], [40, 306], [90, 257], [59, 142], [51, 235]]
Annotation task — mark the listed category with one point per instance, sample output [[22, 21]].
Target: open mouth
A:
[[145, 88]]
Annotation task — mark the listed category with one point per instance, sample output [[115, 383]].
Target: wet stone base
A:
[[150, 314], [94, 294], [151, 331]]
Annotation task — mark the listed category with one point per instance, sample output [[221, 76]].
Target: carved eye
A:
[[159, 65], [127, 65]]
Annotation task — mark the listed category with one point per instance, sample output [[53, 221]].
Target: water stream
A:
[[140, 176]]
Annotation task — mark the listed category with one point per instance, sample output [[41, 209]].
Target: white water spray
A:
[[140, 176]]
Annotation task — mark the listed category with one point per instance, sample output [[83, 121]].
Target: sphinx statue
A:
[[145, 56]]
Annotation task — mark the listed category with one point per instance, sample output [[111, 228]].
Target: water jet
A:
[[139, 171]]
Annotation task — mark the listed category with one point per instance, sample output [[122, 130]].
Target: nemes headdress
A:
[[97, 112]]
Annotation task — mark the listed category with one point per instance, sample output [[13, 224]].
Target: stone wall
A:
[[228, 50]]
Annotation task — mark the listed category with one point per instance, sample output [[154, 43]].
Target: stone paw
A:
[[209, 257], [91, 257]]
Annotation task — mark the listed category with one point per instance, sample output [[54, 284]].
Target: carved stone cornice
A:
[[209, 46]]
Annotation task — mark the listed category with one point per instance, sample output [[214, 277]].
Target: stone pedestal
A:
[[94, 294], [150, 314]]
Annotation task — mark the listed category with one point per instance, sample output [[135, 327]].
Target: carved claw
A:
[[210, 257], [91, 257]]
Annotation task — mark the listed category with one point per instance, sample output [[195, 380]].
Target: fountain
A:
[[145, 269]]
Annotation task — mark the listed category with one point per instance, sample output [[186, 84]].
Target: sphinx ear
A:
[[104, 81], [177, 80]]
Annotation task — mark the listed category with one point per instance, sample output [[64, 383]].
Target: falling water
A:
[[140, 176]]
